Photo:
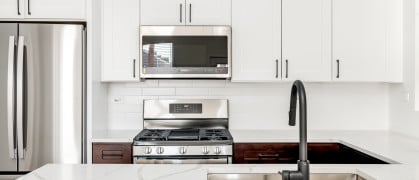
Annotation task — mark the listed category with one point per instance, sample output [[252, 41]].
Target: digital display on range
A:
[[185, 108]]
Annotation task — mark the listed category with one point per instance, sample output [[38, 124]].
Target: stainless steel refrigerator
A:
[[41, 95]]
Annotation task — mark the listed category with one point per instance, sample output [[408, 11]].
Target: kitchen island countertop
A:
[[402, 150]]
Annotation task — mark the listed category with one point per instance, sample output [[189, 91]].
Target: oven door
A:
[[185, 52], [183, 160]]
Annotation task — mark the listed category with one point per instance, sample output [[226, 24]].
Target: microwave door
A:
[[185, 56]]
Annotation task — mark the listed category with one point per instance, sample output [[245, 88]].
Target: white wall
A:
[[347, 106], [402, 114]]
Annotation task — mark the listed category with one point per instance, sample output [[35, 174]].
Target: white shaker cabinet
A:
[[43, 9], [306, 40], [11, 9], [256, 40], [163, 12], [55, 9], [120, 40], [359, 40], [208, 12], [185, 12]]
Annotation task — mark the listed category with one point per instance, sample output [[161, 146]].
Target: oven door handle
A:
[[142, 160]]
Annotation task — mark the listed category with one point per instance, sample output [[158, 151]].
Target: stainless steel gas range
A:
[[184, 132]]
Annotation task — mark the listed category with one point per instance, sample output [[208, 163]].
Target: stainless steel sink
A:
[[319, 176]]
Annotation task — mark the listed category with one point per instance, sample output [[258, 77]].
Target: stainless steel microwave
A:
[[185, 52]]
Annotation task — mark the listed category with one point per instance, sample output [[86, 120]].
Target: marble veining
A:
[[382, 144]]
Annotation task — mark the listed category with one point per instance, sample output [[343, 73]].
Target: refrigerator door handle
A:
[[19, 96], [10, 98]]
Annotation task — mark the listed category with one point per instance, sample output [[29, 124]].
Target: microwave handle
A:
[[180, 12], [133, 68], [190, 12]]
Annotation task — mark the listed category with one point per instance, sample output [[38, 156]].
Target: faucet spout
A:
[[303, 171]]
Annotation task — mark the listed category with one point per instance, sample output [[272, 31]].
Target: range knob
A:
[[205, 150], [147, 150], [182, 150], [217, 150], [160, 150]]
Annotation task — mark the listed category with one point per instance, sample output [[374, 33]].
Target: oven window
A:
[[184, 54]]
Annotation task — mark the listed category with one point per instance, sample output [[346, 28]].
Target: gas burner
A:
[[153, 135], [158, 135], [214, 135]]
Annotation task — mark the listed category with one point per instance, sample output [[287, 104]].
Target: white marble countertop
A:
[[385, 145]]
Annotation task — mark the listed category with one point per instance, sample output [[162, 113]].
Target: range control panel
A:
[[185, 108]]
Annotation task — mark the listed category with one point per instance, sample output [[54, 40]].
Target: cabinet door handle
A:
[[180, 12], [338, 68], [268, 156], [29, 7], [190, 12], [286, 68], [18, 7], [133, 68], [276, 69]]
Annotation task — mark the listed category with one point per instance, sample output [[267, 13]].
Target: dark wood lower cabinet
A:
[[287, 153], [112, 153]]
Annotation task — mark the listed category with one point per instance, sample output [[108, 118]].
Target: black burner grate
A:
[[183, 135]]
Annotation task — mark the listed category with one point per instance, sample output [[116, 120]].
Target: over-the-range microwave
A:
[[185, 52]]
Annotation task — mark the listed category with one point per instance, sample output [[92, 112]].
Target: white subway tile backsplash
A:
[[125, 108], [133, 99], [159, 91], [175, 83], [134, 117], [253, 85], [260, 91], [183, 97], [209, 83], [191, 91], [125, 91], [257, 105], [146, 83], [125, 121]]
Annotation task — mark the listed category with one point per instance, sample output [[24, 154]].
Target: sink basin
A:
[[316, 176]]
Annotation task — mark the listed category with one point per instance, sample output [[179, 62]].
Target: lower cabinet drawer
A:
[[112, 153], [287, 153], [265, 153]]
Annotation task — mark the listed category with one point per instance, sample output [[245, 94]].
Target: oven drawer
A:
[[183, 160]]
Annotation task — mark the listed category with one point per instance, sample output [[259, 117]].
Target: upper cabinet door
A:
[[359, 40], [55, 9], [163, 12], [256, 29], [11, 9], [306, 40], [208, 12], [120, 40]]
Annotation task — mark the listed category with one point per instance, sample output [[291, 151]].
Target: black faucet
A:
[[303, 172]]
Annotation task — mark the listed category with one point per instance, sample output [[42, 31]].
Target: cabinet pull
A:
[[190, 12], [18, 7], [133, 68], [338, 68], [268, 156], [112, 154], [180, 13], [286, 68], [276, 70], [29, 7]]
